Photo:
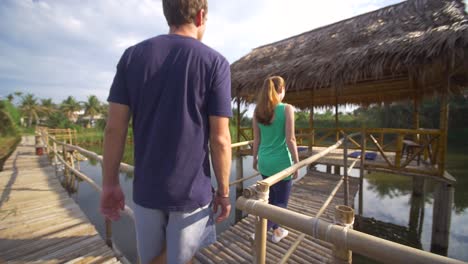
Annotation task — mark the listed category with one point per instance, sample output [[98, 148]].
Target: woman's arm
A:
[[290, 135], [256, 143]]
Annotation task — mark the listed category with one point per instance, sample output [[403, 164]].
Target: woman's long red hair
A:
[[267, 100]]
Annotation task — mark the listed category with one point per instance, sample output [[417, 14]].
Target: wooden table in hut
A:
[[410, 147]]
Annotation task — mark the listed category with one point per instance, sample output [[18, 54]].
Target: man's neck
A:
[[188, 30]]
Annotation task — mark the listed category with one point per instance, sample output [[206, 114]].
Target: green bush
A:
[[59, 120], [8, 125]]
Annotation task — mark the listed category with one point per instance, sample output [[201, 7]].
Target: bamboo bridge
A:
[[49, 226]]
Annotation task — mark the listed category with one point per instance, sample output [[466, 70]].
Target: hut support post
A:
[[345, 169], [336, 120], [416, 117], [417, 207], [239, 185], [238, 119], [442, 211], [444, 112], [399, 150], [344, 216], [361, 171], [312, 132], [261, 226]]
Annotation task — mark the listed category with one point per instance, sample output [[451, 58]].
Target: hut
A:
[[411, 50]]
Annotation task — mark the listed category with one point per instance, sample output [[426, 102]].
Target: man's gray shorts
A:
[[184, 233]]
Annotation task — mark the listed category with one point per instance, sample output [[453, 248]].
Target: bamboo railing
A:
[[254, 201], [392, 144], [71, 172], [261, 189], [372, 247]]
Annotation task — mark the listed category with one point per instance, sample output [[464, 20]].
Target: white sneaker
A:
[[283, 233]]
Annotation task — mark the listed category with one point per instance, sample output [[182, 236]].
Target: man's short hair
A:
[[180, 12]]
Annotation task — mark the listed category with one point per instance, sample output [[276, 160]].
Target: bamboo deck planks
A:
[[307, 197], [39, 222]]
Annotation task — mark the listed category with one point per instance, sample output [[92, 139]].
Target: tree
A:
[[70, 106], [47, 107], [30, 108], [92, 107], [10, 98]]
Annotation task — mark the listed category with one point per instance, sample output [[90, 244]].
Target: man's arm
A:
[[220, 143], [112, 198]]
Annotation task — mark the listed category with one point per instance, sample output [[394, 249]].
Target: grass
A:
[[7, 146]]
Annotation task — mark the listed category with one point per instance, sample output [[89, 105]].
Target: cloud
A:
[[60, 48]]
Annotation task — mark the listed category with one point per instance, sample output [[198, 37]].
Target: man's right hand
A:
[[223, 203], [112, 202]]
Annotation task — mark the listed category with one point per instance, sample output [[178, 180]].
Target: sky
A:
[[57, 48]]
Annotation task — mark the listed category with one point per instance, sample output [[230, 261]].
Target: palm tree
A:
[[30, 108], [70, 106], [47, 107], [92, 107]]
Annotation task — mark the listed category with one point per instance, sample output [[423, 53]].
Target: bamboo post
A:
[[344, 216], [361, 171], [238, 118], [261, 226], [108, 232], [444, 112], [418, 186], [441, 218], [382, 140], [65, 168], [311, 125], [336, 170], [398, 151], [55, 156], [416, 216], [69, 136], [416, 118], [345, 169], [45, 137], [369, 246], [72, 176], [239, 185], [336, 120]]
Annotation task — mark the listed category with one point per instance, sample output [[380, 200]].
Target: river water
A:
[[386, 199]]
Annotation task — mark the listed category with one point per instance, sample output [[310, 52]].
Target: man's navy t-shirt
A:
[[172, 84]]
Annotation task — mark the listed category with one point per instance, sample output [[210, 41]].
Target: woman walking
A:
[[274, 144]]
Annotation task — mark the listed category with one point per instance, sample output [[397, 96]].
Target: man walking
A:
[[177, 91]]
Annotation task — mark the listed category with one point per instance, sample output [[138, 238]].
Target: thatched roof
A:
[[394, 53]]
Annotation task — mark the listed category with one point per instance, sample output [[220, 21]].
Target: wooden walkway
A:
[[39, 222], [307, 196]]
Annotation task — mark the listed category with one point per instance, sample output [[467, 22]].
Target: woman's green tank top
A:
[[273, 154]]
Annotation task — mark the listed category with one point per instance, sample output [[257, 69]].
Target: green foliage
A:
[[70, 106], [11, 110], [59, 120], [47, 107], [8, 125], [30, 108]]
